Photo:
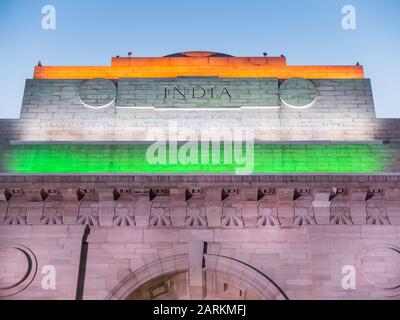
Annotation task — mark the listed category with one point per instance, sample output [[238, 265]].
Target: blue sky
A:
[[90, 32]]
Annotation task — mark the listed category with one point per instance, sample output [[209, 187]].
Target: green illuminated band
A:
[[131, 159]]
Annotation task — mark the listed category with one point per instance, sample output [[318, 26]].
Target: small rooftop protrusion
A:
[[198, 54]]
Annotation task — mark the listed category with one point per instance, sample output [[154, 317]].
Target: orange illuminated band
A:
[[227, 67]]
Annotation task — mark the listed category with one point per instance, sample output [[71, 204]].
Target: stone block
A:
[[142, 212], [188, 235], [97, 236], [267, 235], [322, 215], [285, 195], [106, 195], [70, 213], [250, 214], [179, 214], [248, 194], [160, 235], [213, 194], [70, 195], [14, 233], [106, 214], [358, 213], [34, 214], [196, 252], [394, 215], [286, 214], [358, 195], [379, 232], [231, 235], [124, 235], [214, 214], [48, 232]]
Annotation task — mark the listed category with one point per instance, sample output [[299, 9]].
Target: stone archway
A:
[[222, 278]]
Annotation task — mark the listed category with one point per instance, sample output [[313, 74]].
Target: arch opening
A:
[[223, 278]]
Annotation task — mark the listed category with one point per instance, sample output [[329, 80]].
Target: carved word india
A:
[[197, 93]]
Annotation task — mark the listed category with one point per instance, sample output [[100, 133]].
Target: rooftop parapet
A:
[[199, 64]]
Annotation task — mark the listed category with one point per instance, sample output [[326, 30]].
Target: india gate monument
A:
[[199, 176]]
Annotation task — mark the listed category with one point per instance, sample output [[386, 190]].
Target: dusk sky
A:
[[308, 32]]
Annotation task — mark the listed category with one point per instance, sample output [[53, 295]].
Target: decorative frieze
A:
[[304, 215], [196, 214], [340, 214], [193, 207], [377, 214], [232, 215], [160, 213], [88, 214], [268, 214], [16, 215], [4, 195], [124, 214], [52, 214]]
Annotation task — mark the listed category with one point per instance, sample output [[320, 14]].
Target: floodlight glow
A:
[[131, 159]]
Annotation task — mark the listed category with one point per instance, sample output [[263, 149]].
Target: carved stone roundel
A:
[[98, 93], [298, 93], [19, 267]]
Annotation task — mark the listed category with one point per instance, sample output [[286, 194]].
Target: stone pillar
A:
[[213, 207], [35, 206], [392, 200], [358, 206], [34, 213], [322, 206], [179, 204], [285, 199], [3, 205], [249, 202], [142, 208], [196, 280], [106, 207], [70, 205]]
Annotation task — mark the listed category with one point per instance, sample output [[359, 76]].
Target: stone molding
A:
[[200, 207]]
